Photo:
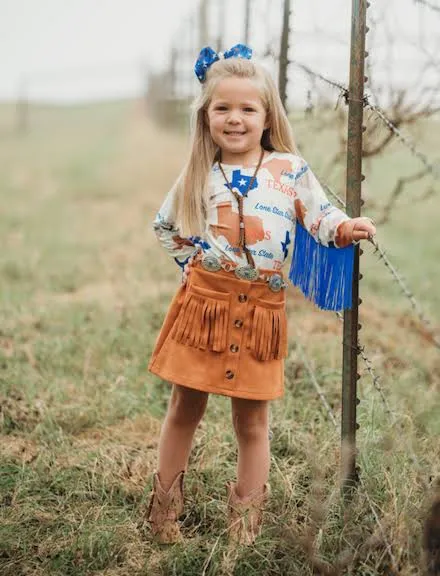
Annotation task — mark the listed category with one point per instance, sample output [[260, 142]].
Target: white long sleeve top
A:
[[285, 190]]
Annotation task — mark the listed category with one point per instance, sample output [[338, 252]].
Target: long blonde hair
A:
[[191, 187]]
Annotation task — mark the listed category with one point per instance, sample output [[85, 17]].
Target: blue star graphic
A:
[[241, 182], [285, 244]]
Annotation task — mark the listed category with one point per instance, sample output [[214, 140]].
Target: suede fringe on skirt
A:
[[225, 336]]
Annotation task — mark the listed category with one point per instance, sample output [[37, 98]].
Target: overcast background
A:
[[76, 50]]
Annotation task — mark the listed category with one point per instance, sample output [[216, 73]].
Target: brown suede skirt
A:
[[225, 336]]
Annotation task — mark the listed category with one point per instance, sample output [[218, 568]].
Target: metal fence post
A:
[[284, 54], [203, 24], [222, 6], [350, 376], [247, 20]]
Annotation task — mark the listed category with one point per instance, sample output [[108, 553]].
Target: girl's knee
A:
[[187, 406], [250, 421]]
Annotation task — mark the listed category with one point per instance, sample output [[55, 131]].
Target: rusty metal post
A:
[[284, 54], [354, 178], [203, 23], [221, 18], [247, 20]]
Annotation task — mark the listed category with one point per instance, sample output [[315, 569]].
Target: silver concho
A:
[[276, 283], [211, 263], [246, 273]]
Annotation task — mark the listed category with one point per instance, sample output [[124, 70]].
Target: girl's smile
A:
[[237, 118]]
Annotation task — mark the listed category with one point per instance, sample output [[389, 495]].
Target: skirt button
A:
[[233, 348], [242, 298], [229, 374], [238, 323]]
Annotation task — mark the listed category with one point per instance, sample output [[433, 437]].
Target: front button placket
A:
[[239, 310]]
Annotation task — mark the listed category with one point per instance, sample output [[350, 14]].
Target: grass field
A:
[[84, 289]]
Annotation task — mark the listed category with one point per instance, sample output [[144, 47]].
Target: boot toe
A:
[[169, 533]]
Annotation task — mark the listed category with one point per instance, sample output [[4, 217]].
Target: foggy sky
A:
[[86, 49]]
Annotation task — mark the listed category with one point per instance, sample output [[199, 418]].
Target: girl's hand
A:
[[354, 230], [187, 270], [363, 228]]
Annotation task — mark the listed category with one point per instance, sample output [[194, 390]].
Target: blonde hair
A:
[[191, 187]]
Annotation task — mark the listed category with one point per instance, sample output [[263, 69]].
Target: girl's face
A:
[[236, 118]]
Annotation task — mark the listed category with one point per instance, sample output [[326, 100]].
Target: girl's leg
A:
[[251, 424], [185, 410]]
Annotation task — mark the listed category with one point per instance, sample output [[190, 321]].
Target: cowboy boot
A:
[[245, 515], [165, 509]]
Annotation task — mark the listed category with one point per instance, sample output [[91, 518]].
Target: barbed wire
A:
[[361, 350], [415, 305], [401, 282], [376, 383], [333, 193], [391, 415], [344, 94], [333, 419], [315, 383], [374, 377], [376, 380], [433, 168], [311, 72]]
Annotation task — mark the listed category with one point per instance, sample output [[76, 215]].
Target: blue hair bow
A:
[[208, 56]]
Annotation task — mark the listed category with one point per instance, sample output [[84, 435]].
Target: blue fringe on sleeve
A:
[[324, 274]]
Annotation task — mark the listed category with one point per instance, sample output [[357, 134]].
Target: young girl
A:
[[228, 222]]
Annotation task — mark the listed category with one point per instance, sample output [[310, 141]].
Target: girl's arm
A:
[[323, 221], [168, 234]]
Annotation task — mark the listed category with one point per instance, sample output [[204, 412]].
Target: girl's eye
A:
[[249, 109], [221, 108]]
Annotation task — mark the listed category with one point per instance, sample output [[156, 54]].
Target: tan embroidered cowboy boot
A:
[[164, 510], [245, 515]]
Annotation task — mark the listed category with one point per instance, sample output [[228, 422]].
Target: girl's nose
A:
[[234, 117]]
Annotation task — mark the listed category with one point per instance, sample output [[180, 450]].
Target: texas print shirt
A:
[[285, 190]]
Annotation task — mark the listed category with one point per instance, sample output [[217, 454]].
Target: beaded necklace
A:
[[240, 198]]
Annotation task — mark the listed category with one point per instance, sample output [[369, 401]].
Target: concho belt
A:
[[246, 272]]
